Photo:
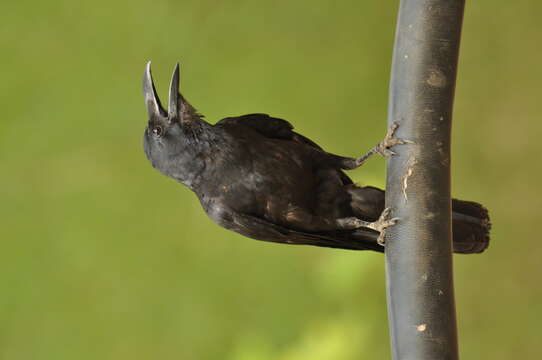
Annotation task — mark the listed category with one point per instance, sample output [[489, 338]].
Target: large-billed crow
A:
[[256, 176]]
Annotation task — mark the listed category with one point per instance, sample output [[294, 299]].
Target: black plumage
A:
[[255, 175]]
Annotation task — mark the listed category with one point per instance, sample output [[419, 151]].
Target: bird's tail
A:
[[470, 220], [471, 227]]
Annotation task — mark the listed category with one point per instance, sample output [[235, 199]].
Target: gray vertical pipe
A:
[[420, 291]]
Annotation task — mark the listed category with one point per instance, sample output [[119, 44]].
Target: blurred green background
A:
[[104, 258]]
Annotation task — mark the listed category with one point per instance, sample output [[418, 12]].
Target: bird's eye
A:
[[157, 130]]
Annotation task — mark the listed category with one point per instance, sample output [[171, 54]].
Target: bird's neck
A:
[[200, 141]]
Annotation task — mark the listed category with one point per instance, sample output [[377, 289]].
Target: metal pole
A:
[[420, 291]]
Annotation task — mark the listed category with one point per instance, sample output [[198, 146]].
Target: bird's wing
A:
[[270, 127], [261, 229], [275, 128]]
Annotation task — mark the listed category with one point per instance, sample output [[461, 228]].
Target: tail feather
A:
[[471, 226]]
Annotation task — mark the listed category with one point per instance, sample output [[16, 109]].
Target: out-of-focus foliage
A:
[[103, 258]]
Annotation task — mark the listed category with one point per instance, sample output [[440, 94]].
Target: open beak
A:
[[154, 107], [173, 108]]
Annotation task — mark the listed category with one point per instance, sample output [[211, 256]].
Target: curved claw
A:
[[383, 148], [379, 225], [383, 223]]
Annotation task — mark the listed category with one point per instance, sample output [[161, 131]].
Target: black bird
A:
[[254, 175]]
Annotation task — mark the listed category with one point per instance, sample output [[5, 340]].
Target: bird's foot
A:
[[384, 147], [382, 224], [379, 225]]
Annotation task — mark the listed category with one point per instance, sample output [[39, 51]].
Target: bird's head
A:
[[170, 136]]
